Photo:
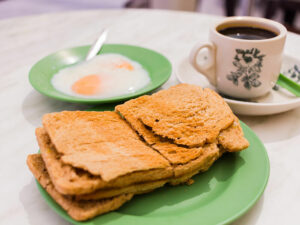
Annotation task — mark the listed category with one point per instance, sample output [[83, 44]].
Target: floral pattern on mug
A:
[[248, 63], [293, 73]]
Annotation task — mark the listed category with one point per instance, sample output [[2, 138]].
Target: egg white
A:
[[114, 81]]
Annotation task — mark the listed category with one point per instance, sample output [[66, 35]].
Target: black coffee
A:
[[247, 33]]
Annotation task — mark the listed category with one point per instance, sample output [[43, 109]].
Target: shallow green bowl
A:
[[40, 75]]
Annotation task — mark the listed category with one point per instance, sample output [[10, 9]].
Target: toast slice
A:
[[78, 210], [186, 161], [187, 114], [100, 143], [72, 181], [231, 138]]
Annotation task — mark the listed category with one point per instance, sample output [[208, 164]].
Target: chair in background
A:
[[290, 9], [246, 6], [184, 5]]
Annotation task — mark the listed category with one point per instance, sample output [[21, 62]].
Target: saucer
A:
[[276, 101]]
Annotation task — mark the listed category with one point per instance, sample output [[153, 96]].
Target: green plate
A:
[[219, 196], [158, 67]]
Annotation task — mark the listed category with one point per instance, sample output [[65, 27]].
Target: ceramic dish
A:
[[277, 101], [158, 67], [219, 196]]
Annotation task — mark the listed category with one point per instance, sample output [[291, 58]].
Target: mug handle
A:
[[208, 70]]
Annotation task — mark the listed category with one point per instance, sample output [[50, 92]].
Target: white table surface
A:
[[25, 40]]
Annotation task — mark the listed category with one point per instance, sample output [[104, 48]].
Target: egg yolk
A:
[[88, 85], [125, 65]]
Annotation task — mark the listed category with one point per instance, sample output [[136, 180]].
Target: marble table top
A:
[[25, 40]]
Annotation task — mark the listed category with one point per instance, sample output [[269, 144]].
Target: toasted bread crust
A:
[[68, 181], [78, 210], [231, 138], [85, 186], [101, 143], [187, 114], [93, 162], [138, 188]]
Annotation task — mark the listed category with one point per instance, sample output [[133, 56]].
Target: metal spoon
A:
[[95, 48]]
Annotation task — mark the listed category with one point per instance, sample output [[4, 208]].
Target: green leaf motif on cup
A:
[[248, 65]]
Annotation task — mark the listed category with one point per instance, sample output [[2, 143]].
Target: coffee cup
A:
[[244, 56]]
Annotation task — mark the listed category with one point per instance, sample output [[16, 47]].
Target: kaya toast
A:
[[74, 181], [231, 138], [186, 114], [100, 143], [71, 181], [185, 160], [78, 210]]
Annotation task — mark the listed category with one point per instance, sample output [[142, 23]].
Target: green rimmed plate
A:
[[158, 67], [219, 196]]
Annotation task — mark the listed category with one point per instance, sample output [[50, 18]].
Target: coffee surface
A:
[[247, 33]]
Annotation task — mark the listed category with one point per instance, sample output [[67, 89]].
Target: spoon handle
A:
[[95, 48], [289, 85]]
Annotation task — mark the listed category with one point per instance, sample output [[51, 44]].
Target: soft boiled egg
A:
[[104, 76]]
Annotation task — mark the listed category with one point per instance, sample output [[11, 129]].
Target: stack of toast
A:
[[93, 162]]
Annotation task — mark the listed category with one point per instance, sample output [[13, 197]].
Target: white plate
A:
[[276, 101]]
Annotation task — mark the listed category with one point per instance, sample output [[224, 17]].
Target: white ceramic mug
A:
[[242, 68]]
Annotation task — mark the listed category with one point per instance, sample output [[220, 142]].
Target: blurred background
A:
[[284, 11]]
